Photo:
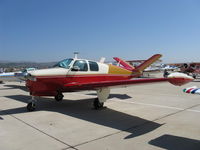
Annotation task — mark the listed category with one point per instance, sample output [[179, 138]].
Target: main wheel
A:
[[31, 106], [59, 97], [97, 104]]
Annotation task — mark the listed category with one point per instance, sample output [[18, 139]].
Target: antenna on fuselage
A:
[[76, 55]]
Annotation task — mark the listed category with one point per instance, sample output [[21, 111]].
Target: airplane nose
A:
[[30, 77]]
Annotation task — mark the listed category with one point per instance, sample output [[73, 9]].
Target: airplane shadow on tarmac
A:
[[81, 109], [21, 87], [120, 96], [171, 142]]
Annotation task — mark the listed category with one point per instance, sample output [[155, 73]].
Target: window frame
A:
[[79, 67], [91, 63]]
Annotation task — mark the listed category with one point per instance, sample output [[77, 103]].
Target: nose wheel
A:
[[31, 105], [97, 104]]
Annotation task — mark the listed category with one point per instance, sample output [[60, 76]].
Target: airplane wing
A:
[[192, 90], [175, 79], [121, 83], [8, 76]]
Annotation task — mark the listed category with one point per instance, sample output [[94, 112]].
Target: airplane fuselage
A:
[[79, 74], [47, 82]]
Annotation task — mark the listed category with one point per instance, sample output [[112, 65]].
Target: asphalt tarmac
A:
[[147, 117]]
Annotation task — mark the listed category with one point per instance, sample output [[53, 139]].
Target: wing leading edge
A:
[[175, 80]]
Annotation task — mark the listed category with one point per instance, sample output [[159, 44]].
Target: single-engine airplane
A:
[[15, 76], [8, 76], [75, 74]]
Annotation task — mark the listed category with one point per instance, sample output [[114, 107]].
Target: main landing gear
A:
[[97, 104], [32, 104], [102, 95], [59, 96]]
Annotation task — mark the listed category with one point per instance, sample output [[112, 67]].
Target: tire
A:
[[97, 104], [31, 106], [59, 97]]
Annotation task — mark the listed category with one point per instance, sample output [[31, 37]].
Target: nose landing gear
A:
[[31, 106]]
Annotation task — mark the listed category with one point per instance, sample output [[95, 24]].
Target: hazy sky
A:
[[50, 30]]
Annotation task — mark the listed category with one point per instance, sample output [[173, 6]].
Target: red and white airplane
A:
[[75, 74]]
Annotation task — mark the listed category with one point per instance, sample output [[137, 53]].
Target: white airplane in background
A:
[[22, 75], [8, 76], [168, 67], [15, 76]]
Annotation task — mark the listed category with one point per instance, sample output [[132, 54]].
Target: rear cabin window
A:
[[93, 66], [82, 64]]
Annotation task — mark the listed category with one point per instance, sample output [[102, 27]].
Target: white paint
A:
[[103, 69], [50, 72], [102, 60], [155, 105], [147, 104], [179, 75], [103, 94]]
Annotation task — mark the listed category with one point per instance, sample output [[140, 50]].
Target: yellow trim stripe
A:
[[117, 70]]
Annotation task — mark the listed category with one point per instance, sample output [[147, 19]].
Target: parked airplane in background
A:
[[168, 67], [75, 74], [8, 76], [191, 68], [15, 76], [22, 75], [153, 67], [192, 90]]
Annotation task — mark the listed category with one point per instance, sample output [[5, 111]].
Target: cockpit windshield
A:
[[64, 63]]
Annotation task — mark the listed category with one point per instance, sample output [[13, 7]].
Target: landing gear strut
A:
[[31, 105], [97, 104], [59, 96]]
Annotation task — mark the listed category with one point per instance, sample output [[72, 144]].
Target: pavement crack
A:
[[137, 126], [108, 135], [68, 146], [179, 111]]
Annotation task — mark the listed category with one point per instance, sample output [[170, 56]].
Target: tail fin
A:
[[141, 67], [124, 64], [148, 62]]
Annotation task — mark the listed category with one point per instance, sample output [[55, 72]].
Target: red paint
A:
[[189, 90], [179, 81], [49, 85], [52, 84], [124, 64]]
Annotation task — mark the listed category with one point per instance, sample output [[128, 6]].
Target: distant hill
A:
[[7, 64]]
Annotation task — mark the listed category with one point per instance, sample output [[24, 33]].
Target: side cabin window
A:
[[81, 64], [93, 66]]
